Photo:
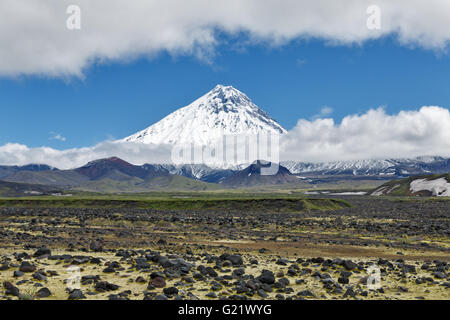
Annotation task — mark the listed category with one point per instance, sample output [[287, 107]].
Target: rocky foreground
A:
[[148, 274], [364, 252]]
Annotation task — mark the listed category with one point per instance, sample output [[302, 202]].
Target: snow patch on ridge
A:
[[438, 187]]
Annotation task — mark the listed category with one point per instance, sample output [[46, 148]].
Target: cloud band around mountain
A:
[[372, 135], [36, 41]]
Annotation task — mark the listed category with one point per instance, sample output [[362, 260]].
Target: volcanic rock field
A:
[[376, 249]]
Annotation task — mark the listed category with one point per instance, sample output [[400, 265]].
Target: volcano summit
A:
[[222, 111]]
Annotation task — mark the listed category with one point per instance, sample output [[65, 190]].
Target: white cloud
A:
[[374, 134], [57, 136], [324, 112], [35, 39], [18, 154], [301, 62]]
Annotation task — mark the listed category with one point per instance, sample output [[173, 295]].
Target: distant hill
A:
[[9, 170], [110, 175], [197, 171], [114, 175], [60, 178], [137, 185], [251, 176], [11, 189], [112, 168], [423, 185]]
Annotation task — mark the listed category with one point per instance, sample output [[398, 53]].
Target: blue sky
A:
[[289, 82], [72, 81]]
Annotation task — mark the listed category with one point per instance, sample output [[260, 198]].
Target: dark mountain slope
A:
[[251, 176], [6, 171], [11, 189]]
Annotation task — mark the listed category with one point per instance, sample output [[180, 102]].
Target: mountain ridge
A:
[[110, 175], [116, 175], [383, 167], [389, 168]]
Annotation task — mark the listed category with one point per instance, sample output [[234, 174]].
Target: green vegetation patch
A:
[[238, 204]]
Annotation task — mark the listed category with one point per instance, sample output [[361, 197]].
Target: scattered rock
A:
[[27, 267], [170, 291], [267, 277], [235, 259], [402, 289], [439, 275], [96, 246], [10, 289], [18, 274], [162, 242], [306, 293], [43, 251], [76, 295], [157, 282], [43, 293], [350, 265]]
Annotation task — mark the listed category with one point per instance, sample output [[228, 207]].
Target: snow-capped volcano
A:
[[222, 111]]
